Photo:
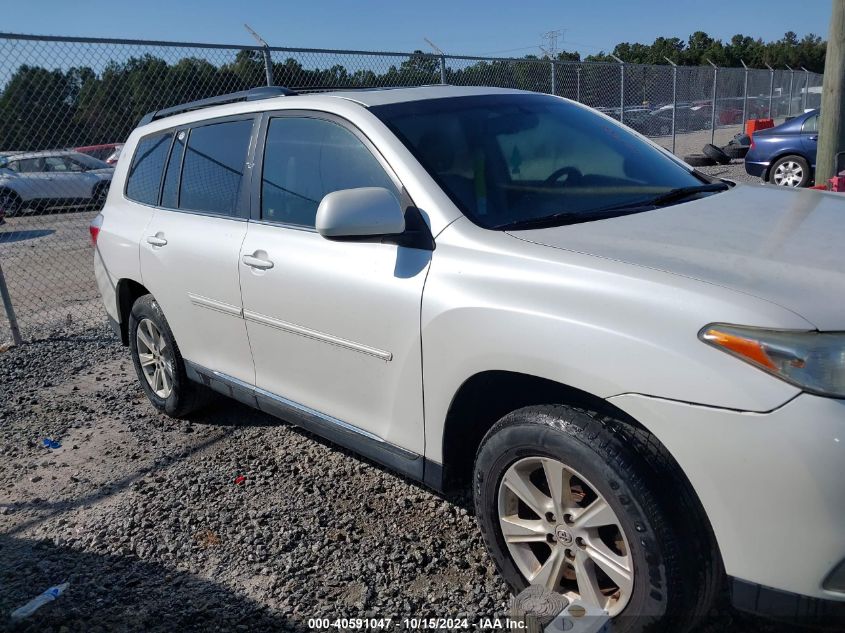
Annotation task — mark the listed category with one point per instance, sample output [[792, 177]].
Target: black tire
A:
[[186, 396], [735, 151], [677, 570], [10, 202], [715, 154], [698, 160]]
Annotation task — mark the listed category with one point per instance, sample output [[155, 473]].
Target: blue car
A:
[[786, 154]]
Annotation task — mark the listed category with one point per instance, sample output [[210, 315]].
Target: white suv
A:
[[639, 370]]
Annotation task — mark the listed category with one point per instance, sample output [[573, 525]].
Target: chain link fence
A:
[[67, 104]]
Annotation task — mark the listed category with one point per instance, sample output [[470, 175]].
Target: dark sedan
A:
[[786, 155]]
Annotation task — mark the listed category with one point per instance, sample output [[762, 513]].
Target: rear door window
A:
[[213, 167], [144, 181]]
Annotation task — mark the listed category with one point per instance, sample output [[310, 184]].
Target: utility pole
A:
[[831, 125], [550, 50]]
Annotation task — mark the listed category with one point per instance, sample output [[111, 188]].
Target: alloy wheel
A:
[[788, 174], [562, 533], [155, 357]]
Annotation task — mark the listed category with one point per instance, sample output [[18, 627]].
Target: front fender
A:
[[493, 302]]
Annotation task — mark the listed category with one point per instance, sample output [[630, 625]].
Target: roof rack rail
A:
[[254, 94]]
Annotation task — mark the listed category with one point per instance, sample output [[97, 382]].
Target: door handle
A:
[[814, 138], [156, 240], [253, 261]]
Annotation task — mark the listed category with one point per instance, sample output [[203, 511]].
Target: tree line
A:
[[808, 51]]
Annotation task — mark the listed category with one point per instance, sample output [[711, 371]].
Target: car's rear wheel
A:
[[580, 503], [159, 363], [790, 171], [10, 202]]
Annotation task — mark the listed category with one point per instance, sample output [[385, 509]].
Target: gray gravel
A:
[[734, 171], [142, 515]]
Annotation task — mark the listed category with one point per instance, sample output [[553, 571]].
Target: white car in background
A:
[[52, 178], [639, 370]]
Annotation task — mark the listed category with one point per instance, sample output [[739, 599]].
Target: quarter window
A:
[[144, 179], [213, 168], [305, 159]]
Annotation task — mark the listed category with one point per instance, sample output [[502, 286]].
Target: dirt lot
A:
[[144, 519]]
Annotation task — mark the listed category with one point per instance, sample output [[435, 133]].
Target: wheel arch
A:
[[128, 291], [486, 397]]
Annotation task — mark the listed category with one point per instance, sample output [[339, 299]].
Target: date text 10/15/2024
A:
[[412, 624]]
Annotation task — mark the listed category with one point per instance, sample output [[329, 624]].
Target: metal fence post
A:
[[713, 115], [443, 70], [578, 84], [265, 51], [10, 310], [268, 65], [621, 88], [674, 98], [554, 86], [771, 87], [744, 94], [806, 89], [791, 77]]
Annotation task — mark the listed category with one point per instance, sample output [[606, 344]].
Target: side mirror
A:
[[359, 213]]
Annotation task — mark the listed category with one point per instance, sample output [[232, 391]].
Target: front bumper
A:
[[772, 484]]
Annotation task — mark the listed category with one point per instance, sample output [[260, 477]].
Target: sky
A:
[[502, 28]]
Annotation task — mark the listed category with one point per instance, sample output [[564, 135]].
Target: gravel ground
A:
[[142, 516]]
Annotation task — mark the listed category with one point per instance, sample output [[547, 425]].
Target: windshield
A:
[[514, 160], [89, 162]]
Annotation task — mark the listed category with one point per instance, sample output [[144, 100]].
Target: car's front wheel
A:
[[790, 171], [158, 362], [585, 505]]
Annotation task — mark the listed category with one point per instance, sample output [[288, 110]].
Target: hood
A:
[[783, 245]]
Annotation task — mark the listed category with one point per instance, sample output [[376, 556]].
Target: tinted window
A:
[[506, 160], [214, 166], [170, 190], [144, 178], [88, 161], [304, 160]]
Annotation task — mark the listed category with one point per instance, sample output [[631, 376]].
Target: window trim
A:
[[242, 209], [258, 171]]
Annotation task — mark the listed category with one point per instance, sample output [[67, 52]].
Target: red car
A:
[[108, 152]]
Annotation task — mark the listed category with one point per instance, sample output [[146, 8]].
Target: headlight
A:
[[813, 361]]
